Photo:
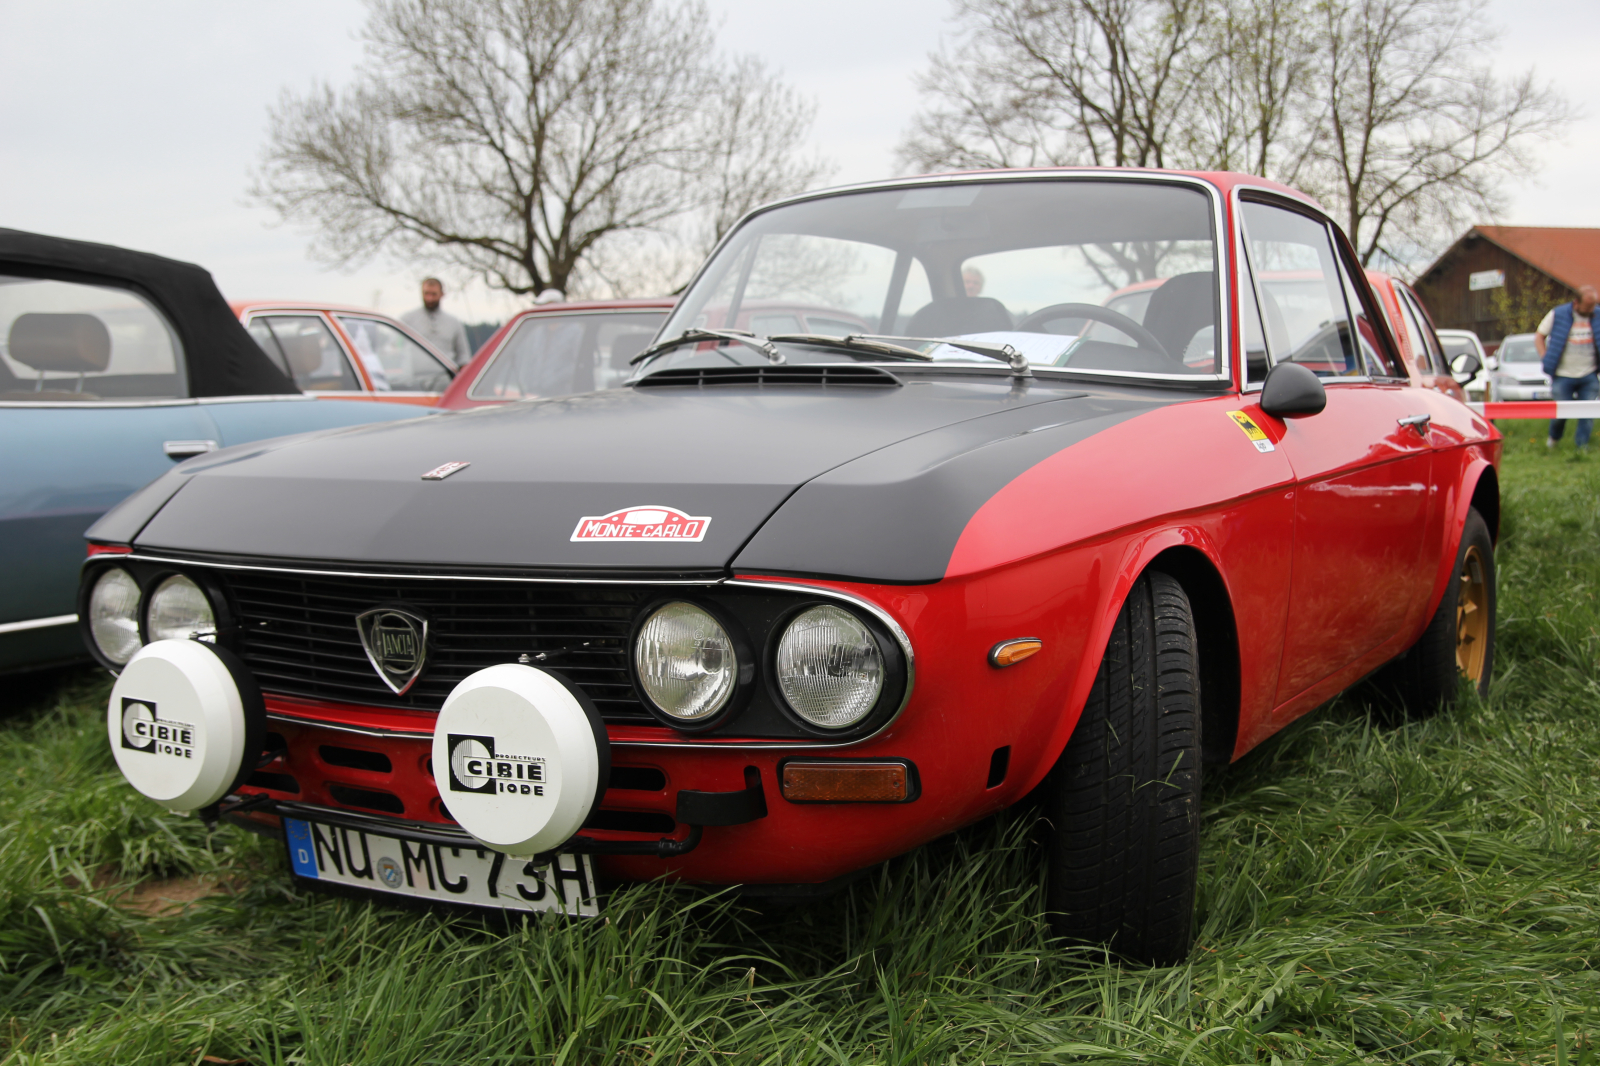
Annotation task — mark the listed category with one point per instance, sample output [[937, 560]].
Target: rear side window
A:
[[66, 341], [304, 348], [394, 362], [562, 354]]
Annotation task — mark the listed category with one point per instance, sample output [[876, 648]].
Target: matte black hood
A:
[[732, 454]]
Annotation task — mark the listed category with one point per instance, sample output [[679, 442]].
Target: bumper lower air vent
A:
[[760, 376]]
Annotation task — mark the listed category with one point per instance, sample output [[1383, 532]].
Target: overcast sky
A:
[[138, 123]]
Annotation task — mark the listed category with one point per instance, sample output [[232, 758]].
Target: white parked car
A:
[[1458, 342], [1519, 375]]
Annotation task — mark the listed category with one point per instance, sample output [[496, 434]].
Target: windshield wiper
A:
[[854, 342], [1003, 352], [695, 335]]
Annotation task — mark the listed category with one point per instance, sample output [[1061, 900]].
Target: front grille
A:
[[297, 633]]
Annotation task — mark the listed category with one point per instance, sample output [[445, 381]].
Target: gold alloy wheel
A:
[[1472, 616]]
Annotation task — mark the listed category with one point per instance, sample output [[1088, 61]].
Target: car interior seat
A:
[[304, 352], [952, 316], [60, 343], [1183, 306]]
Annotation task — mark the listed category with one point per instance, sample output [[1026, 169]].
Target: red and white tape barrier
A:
[[1538, 409]]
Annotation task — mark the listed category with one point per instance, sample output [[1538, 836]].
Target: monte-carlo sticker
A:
[[642, 524]]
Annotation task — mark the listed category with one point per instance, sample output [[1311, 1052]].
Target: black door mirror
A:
[[1290, 390], [1465, 367]]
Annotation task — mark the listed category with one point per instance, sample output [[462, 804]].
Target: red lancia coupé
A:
[[787, 604]]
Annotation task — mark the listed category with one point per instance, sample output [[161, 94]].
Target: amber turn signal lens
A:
[[845, 782], [1011, 652]]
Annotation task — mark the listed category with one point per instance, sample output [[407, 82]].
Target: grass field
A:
[[1422, 893]]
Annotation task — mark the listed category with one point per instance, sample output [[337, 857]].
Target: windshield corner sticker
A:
[[1251, 430], [642, 524]]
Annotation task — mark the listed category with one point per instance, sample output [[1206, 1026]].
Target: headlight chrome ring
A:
[[686, 662], [180, 610], [114, 615], [829, 667]]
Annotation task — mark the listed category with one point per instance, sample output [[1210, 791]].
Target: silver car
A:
[[1519, 375]]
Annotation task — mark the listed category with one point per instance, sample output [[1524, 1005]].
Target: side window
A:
[[65, 341], [1302, 295], [1419, 348], [562, 354], [1380, 362], [1430, 339], [394, 361], [620, 338], [306, 346]]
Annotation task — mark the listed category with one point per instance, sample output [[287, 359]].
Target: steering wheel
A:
[[1115, 319]]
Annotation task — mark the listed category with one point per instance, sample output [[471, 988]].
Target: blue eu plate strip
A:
[[301, 853]]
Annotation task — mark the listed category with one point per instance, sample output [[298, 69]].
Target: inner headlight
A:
[[829, 667], [179, 611], [114, 615], [686, 662]]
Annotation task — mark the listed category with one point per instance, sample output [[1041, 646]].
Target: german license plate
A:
[[1540, 394], [475, 876]]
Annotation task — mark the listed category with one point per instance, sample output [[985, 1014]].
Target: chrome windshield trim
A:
[[1213, 192], [38, 623], [389, 575]]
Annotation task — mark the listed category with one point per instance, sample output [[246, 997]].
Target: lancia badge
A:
[[396, 643]]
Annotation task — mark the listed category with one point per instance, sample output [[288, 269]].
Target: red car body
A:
[[346, 357], [1310, 562], [1414, 333]]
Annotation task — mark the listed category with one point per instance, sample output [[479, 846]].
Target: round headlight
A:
[[686, 662], [114, 615], [829, 667], [179, 611]]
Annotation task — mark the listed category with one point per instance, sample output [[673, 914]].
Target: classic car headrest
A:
[[955, 315], [74, 344], [1180, 308], [304, 352]]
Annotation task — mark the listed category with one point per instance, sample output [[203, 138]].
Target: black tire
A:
[[1124, 798], [1427, 677]]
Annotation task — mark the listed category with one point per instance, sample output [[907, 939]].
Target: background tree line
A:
[[603, 146], [1386, 110]]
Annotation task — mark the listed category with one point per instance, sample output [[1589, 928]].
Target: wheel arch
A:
[[1485, 499], [1217, 636]]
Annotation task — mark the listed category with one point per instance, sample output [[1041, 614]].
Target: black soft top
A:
[[219, 355]]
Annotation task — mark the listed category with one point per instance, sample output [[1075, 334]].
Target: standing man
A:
[[1566, 340], [441, 329]]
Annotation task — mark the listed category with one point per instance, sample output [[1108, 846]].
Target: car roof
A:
[[220, 359]]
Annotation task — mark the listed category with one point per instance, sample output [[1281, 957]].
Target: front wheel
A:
[[1124, 798], [1459, 640]]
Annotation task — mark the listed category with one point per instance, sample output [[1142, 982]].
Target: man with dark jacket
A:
[[1566, 341]]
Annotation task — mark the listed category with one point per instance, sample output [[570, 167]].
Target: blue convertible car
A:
[[113, 366]]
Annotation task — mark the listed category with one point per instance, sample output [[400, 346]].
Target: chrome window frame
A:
[[1224, 326]]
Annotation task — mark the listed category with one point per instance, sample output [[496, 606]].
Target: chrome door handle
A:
[[188, 449], [1417, 422]]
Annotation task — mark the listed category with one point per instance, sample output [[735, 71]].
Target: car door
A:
[[303, 345], [92, 406], [400, 367], [1362, 471]]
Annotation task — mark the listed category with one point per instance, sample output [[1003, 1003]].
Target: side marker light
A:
[[845, 782], [1011, 652]]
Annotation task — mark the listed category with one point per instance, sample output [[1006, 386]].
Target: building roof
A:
[[1569, 254]]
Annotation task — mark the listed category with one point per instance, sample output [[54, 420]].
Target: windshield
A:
[[557, 353], [1095, 275], [1519, 350]]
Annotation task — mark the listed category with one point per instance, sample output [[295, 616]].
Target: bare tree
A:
[[1039, 82], [512, 139], [1417, 131], [1386, 109]]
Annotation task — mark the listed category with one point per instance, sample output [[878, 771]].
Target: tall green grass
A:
[[1428, 892]]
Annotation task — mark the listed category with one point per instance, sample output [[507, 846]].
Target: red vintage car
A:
[[1413, 331], [348, 353], [558, 349], [783, 605]]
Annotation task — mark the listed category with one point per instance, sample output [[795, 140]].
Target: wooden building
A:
[[1497, 280]]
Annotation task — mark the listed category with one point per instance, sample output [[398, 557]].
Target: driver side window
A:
[[1302, 292]]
